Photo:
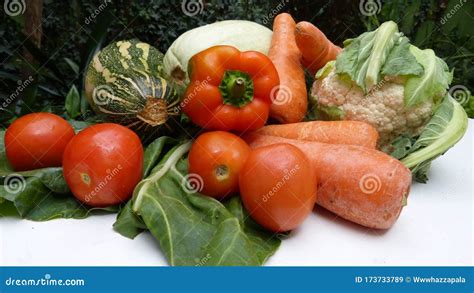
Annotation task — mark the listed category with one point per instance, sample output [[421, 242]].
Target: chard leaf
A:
[[372, 55], [193, 229], [445, 129], [432, 84], [34, 201]]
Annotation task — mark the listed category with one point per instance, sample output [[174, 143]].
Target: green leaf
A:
[[154, 152], [128, 224], [444, 130], [73, 65], [73, 103], [401, 147], [7, 209], [52, 178], [372, 55], [193, 229], [34, 201], [324, 72], [432, 84], [401, 61]]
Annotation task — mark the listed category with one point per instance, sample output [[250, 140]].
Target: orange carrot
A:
[[289, 104], [317, 50], [359, 184], [335, 132]]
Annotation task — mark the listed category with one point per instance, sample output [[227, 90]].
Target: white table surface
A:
[[436, 228]]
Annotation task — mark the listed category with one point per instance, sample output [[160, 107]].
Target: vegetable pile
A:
[[206, 146]]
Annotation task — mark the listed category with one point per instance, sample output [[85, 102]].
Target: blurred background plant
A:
[[46, 44]]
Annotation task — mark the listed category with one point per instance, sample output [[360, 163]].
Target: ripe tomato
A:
[[217, 158], [37, 140], [103, 164], [278, 187]]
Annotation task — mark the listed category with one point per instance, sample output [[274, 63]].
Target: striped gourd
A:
[[124, 83]]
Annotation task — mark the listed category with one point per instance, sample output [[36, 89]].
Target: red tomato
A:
[[217, 158], [103, 164], [278, 186], [37, 140]]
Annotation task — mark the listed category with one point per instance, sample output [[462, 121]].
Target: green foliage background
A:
[[71, 33]]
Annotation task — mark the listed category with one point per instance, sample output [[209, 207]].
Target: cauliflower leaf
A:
[[445, 129], [432, 84], [369, 57]]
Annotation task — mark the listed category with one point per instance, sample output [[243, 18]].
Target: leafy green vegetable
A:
[[324, 72], [445, 129], [73, 102], [38, 195], [432, 84], [367, 58], [193, 229]]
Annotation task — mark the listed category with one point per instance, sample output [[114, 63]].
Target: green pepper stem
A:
[[236, 88]]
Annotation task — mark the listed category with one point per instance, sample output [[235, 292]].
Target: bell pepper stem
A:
[[236, 88]]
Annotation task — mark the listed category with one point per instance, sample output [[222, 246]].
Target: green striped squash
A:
[[124, 83]]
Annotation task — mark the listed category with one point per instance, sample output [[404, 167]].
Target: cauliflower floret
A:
[[383, 107]]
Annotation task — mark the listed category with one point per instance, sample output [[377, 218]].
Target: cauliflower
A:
[[383, 107], [401, 90]]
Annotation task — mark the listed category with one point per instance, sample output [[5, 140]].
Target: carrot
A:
[[316, 49], [290, 102], [335, 132], [359, 184]]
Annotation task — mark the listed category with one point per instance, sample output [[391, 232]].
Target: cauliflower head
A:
[[383, 107], [382, 79]]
